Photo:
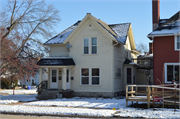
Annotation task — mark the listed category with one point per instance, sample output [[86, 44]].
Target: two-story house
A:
[[166, 46], [90, 58]]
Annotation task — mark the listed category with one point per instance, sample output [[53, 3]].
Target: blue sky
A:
[[138, 12]]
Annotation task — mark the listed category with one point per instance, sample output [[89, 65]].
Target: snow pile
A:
[[7, 101], [83, 102], [32, 91], [148, 113], [17, 98], [56, 110]]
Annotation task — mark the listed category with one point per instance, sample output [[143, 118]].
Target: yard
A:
[[100, 107]]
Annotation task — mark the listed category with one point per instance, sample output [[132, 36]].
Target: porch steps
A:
[[48, 94]]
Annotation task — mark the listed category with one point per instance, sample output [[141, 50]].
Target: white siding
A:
[[58, 51]]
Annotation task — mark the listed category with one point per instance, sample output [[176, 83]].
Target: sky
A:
[[137, 12]]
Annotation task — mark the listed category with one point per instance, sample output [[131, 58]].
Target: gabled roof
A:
[[118, 31], [61, 37], [167, 26]]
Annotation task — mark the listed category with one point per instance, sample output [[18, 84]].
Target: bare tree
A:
[[141, 47], [24, 24], [32, 19]]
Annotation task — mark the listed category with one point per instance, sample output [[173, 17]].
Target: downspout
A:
[[112, 68]]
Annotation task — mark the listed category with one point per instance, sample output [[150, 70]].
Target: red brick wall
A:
[[163, 52]]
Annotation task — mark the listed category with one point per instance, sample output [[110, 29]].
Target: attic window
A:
[[61, 36], [89, 25]]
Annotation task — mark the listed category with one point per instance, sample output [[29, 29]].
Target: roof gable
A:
[[118, 32]]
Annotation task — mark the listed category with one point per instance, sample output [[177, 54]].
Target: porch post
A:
[[40, 75], [69, 78], [64, 78]]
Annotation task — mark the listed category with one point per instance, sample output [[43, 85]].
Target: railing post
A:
[[126, 96], [132, 93], [148, 96]]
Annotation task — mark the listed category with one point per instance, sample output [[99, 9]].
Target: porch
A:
[[59, 77]]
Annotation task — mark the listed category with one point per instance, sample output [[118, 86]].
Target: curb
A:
[[52, 115]]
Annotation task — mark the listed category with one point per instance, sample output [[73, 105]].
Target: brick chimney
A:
[[155, 13], [150, 48]]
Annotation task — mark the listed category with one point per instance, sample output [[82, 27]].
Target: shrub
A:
[[7, 83]]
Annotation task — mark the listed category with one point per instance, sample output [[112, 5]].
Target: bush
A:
[[7, 83]]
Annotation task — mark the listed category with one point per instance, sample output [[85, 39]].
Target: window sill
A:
[[177, 49], [117, 77], [90, 54], [90, 85]]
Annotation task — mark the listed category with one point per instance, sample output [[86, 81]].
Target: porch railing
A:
[[41, 86]]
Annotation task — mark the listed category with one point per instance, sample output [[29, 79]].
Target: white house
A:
[[34, 80], [92, 58]]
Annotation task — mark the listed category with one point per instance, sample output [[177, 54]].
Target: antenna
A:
[[68, 46]]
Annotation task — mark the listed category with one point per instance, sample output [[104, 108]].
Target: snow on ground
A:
[[7, 101], [83, 102], [21, 91], [148, 113], [79, 104], [56, 110], [16, 98]]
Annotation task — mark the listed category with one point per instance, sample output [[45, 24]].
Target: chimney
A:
[[150, 48], [155, 13]]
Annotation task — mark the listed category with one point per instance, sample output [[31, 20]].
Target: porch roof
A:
[[56, 61]]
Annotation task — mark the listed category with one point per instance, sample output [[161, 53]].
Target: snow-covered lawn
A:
[[148, 113], [16, 98], [56, 110], [83, 102], [76, 106], [21, 91]]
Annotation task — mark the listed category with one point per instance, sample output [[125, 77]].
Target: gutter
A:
[[159, 35]]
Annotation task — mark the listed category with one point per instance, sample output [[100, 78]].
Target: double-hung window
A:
[[118, 73], [90, 75], [95, 76], [90, 46], [86, 45], [171, 72], [85, 76], [94, 45], [177, 42]]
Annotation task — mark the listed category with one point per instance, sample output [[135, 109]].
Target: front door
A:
[[68, 80], [54, 79]]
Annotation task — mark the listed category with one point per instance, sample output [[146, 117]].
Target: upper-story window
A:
[[177, 43], [90, 46], [94, 45], [86, 45]]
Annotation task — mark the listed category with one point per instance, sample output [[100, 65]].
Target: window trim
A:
[[165, 71], [175, 43]]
